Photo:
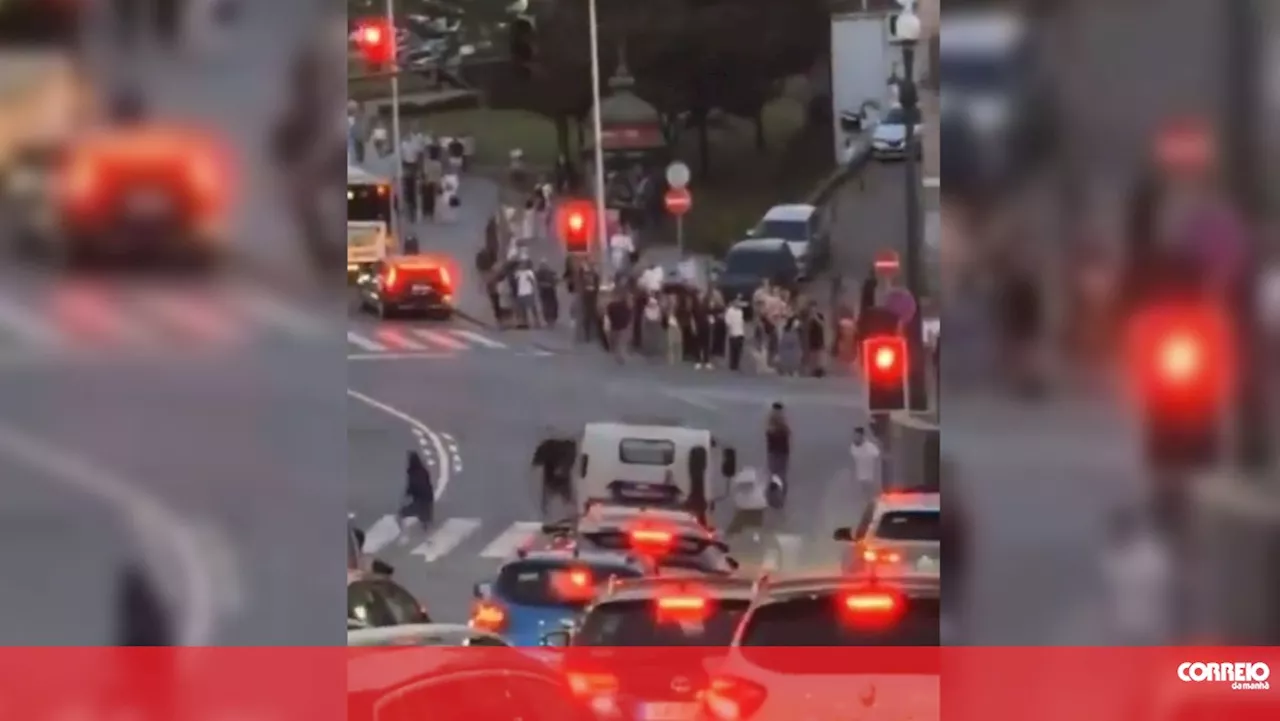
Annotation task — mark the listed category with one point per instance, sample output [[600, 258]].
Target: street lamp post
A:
[[597, 132], [395, 115], [907, 35]]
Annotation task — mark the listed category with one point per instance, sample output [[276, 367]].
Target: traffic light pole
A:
[[398, 190], [597, 130], [908, 96]]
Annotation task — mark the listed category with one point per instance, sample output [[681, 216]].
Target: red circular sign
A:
[[887, 261], [1186, 145], [678, 201]]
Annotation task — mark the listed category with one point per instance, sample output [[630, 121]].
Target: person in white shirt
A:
[[735, 324], [750, 501], [866, 461], [449, 187], [621, 246], [650, 281], [1138, 570], [526, 296]]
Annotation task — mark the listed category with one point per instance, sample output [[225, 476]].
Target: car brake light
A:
[[488, 616], [445, 279], [390, 280], [872, 608], [648, 538], [581, 579], [729, 698], [877, 556], [682, 608], [383, 190], [592, 684]]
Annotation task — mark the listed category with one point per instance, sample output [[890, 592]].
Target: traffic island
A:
[[1235, 533]]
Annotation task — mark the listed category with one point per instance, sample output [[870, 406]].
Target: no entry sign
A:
[[678, 201]]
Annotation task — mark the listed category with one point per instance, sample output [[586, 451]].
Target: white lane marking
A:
[[443, 477], [365, 343], [435, 337], [510, 540], [395, 339], [277, 312], [16, 320], [193, 317], [160, 529], [425, 355], [381, 533], [447, 537], [478, 338]]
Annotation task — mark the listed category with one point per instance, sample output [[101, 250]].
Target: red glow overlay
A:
[[1182, 358]]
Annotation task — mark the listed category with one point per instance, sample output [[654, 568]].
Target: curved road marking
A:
[[160, 528], [445, 473]]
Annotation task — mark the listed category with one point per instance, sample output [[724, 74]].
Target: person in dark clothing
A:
[[419, 494], [555, 457], [697, 502], [777, 444], [589, 301], [143, 619], [411, 246], [702, 332], [686, 311], [618, 313], [409, 191], [548, 298], [815, 341]]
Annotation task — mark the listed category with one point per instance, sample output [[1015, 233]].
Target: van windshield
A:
[[368, 203]]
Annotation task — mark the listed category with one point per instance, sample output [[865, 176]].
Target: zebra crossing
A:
[[390, 340], [475, 539], [67, 320]]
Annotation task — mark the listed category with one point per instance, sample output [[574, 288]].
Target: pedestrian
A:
[[618, 314], [419, 494], [526, 289], [1138, 570], [719, 331], [671, 326], [621, 246], [493, 287], [589, 303], [653, 332], [410, 162], [750, 501], [548, 297], [432, 174], [142, 616], [815, 340], [640, 302], [777, 443], [555, 456], [703, 324], [789, 347], [450, 200], [736, 329], [866, 462]]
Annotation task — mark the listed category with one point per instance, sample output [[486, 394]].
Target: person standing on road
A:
[[432, 174], [750, 501], [621, 247], [419, 494], [653, 332], [777, 444], [866, 461], [410, 157], [618, 315], [555, 456], [702, 328], [671, 326], [526, 281], [736, 328], [548, 299]]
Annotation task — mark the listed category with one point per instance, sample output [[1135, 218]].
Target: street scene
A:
[[545, 357]]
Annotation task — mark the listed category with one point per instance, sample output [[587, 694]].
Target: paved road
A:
[[488, 409], [198, 436]]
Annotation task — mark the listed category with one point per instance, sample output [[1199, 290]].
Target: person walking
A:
[[675, 336], [419, 494], [410, 163], [555, 456], [432, 174], [652, 333], [750, 502], [548, 297], [618, 315], [789, 348], [866, 462], [736, 329], [526, 285], [777, 444], [703, 324]]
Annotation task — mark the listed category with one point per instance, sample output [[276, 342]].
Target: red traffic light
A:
[[1182, 356], [376, 40], [884, 367], [576, 221]]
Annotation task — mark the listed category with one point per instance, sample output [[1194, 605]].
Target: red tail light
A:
[[650, 539], [489, 616], [389, 280], [730, 698], [682, 608], [872, 608], [445, 279], [592, 684], [880, 557]]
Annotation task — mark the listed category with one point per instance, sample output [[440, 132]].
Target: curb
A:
[[491, 326]]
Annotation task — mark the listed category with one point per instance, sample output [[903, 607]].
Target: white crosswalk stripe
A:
[[404, 341], [463, 539], [435, 337]]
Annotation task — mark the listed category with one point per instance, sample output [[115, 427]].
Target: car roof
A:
[[794, 211], [793, 587], [651, 587], [416, 634], [760, 245], [359, 176], [583, 555], [909, 501]]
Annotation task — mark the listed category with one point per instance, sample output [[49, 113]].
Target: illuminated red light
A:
[[577, 223], [886, 359], [682, 603], [371, 35], [871, 602], [647, 537], [580, 578]]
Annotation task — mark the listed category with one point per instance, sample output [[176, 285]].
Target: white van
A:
[[658, 464]]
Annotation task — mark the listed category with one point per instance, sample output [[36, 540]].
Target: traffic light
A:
[[884, 369], [576, 221], [1183, 365], [376, 40]]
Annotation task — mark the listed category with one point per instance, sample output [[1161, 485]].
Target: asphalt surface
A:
[[197, 437], [476, 405]]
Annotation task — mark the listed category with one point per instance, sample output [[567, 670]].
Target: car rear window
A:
[[638, 623], [544, 583], [910, 526], [646, 452], [792, 230], [755, 262], [820, 621]]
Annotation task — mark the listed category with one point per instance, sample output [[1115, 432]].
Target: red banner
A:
[[639, 684]]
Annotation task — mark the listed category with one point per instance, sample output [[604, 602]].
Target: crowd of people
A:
[[429, 167]]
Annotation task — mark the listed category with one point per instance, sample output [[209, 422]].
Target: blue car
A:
[[545, 591]]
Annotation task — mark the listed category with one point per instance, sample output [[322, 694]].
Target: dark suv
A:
[[409, 286]]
